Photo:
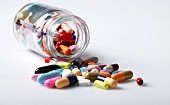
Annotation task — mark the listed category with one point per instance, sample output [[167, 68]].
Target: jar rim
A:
[[82, 40]]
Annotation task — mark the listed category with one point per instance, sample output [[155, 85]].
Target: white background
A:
[[133, 33]]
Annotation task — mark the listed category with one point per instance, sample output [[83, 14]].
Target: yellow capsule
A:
[[65, 65], [101, 84]]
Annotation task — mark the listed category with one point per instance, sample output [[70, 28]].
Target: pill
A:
[[22, 15], [76, 72], [73, 47], [66, 50], [139, 81], [42, 77], [91, 74], [31, 19], [74, 37], [66, 28], [78, 62], [82, 69], [46, 69], [105, 74], [115, 66], [90, 59], [90, 67], [108, 67], [47, 60], [73, 66], [94, 70], [84, 82], [121, 76], [55, 59], [64, 82], [105, 71], [92, 79], [65, 65], [66, 73], [65, 36], [111, 82], [72, 80], [51, 82], [34, 77], [84, 73], [101, 84]]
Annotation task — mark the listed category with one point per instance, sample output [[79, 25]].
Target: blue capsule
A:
[[42, 77], [83, 69]]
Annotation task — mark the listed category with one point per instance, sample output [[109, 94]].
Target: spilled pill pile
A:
[[84, 72]]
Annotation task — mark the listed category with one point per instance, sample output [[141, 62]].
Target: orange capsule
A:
[[105, 74], [122, 76], [66, 50]]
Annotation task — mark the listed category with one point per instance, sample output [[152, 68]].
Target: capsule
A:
[[91, 76], [65, 65], [42, 77], [34, 77], [101, 84], [46, 69], [50, 83], [122, 76], [76, 72], [111, 82], [64, 82]]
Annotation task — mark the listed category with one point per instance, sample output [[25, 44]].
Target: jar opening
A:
[[81, 33]]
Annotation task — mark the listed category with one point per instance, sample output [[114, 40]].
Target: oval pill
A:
[[139, 81], [42, 77], [46, 69]]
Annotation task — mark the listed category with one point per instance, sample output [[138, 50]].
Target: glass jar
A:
[[38, 27]]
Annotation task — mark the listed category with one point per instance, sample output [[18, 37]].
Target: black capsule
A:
[[46, 69], [78, 62]]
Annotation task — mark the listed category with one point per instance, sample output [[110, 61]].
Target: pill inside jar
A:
[[51, 31]]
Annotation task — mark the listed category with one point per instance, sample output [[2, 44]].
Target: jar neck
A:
[[81, 31]]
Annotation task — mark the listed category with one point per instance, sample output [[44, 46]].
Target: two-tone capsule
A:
[[64, 82], [111, 82], [122, 76]]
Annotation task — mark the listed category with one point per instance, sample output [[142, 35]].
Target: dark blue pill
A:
[[72, 79]]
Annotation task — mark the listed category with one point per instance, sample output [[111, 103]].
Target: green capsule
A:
[[22, 15]]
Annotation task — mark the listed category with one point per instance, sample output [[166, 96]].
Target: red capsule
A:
[[47, 60], [65, 36], [139, 81]]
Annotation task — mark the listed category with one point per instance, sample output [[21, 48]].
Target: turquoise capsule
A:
[[42, 77]]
